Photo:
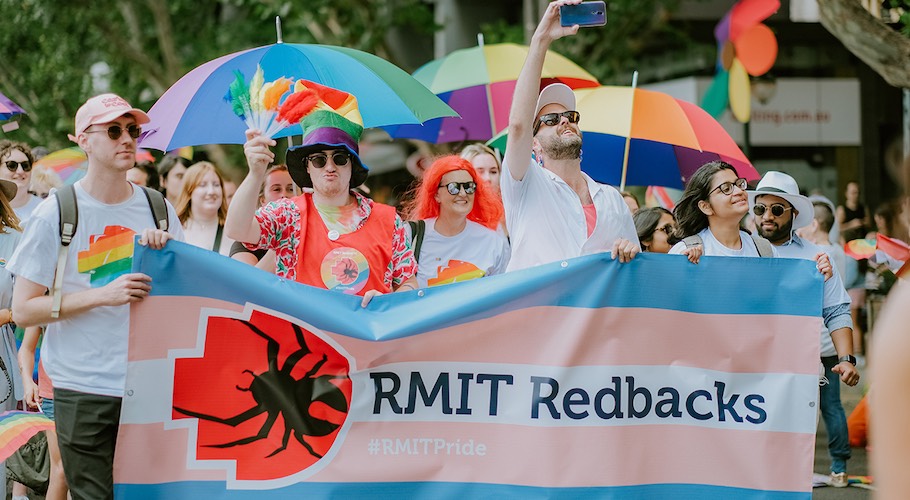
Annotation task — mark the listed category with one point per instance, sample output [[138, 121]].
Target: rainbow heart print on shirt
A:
[[455, 271], [109, 255]]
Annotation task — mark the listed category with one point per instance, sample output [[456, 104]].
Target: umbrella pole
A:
[[278, 28], [625, 153]]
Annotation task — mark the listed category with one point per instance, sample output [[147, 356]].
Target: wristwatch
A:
[[848, 358]]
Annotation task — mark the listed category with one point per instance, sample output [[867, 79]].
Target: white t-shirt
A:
[[88, 352], [25, 211], [475, 252], [714, 247], [546, 220]]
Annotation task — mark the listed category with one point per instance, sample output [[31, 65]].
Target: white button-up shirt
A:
[[546, 220]]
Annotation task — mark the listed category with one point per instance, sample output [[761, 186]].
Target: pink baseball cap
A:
[[106, 108]]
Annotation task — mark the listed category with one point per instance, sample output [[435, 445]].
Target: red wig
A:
[[487, 209]]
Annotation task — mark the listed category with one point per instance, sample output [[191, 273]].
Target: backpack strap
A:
[[158, 206], [693, 241], [763, 246], [418, 228], [68, 210], [69, 220]]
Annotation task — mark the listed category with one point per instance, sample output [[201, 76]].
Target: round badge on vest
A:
[[334, 235]]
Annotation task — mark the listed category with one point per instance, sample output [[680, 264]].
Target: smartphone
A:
[[583, 14]]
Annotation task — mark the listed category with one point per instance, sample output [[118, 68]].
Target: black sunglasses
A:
[[455, 187], [551, 119], [339, 158], [14, 165], [115, 131], [666, 228], [727, 187], [776, 209]]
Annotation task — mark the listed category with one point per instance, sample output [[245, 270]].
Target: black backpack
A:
[[69, 220]]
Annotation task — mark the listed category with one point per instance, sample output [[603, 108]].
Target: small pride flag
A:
[[17, 427]]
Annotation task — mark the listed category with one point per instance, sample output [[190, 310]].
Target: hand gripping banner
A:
[[583, 378]]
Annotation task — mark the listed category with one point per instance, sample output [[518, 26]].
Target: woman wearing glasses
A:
[[460, 214], [712, 206], [654, 226], [202, 208], [16, 162]]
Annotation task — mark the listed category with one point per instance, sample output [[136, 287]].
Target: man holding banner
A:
[[555, 211], [88, 315], [780, 210]]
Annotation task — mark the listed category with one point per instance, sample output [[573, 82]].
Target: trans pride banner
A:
[[578, 379]]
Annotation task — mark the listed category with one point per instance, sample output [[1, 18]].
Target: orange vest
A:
[[352, 263]]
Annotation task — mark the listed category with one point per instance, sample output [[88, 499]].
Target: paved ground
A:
[[858, 464]]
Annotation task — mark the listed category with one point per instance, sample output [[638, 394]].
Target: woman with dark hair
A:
[[712, 206], [170, 173], [460, 214], [18, 159], [654, 226]]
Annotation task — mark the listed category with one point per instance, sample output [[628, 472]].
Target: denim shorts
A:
[[47, 406]]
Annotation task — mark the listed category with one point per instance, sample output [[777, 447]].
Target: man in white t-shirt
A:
[[85, 345], [555, 211]]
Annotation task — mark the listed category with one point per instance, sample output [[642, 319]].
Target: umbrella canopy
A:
[[669, 139], [478, 83], [194, 110], [8, 108], [69, 163]]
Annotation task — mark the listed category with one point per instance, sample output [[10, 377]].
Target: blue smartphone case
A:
[[583, 14]]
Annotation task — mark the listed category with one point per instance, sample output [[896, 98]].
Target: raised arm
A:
[[241, 224], [527, 88]]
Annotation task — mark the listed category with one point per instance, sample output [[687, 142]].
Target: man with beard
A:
[[779, 211], [555, 211]]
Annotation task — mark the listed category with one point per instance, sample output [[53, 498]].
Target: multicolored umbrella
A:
[[17, 427], [194, 112], [478, 83], [745, 47], [669, 139], [67, 163], [8, 108]]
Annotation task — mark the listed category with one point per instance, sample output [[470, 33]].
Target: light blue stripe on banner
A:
[[211, 490], [717, 285]]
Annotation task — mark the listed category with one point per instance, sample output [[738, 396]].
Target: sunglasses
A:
[[14, 165], [115, 131], [551, 119], [339, 158], [727, 187], [776, 209], [35, 193], [666, 229], [455, 187]]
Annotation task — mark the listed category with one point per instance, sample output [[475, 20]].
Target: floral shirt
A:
[[279, 224]]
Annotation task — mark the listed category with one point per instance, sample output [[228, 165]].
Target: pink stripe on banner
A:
[[151, 444], [610, 336], [596, 455], [154, 333]]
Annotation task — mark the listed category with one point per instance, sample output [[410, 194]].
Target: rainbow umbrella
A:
[[668, 138], [194, 110], [478, 83], [67, 163], [8, 108], [17, 427], [745, 47]]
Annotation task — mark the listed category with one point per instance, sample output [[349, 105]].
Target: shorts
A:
[[47, 407]]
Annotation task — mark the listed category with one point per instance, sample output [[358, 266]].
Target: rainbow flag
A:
[[567, 380], [659, 196], [895, 248], [17, 427], [109, 255], [860, 249]]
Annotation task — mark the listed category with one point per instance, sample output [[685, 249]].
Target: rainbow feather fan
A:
[[258, 102]]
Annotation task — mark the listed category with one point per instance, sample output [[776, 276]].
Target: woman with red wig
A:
[[460, 214]]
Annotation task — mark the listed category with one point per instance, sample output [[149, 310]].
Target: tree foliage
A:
[[48, 48]]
